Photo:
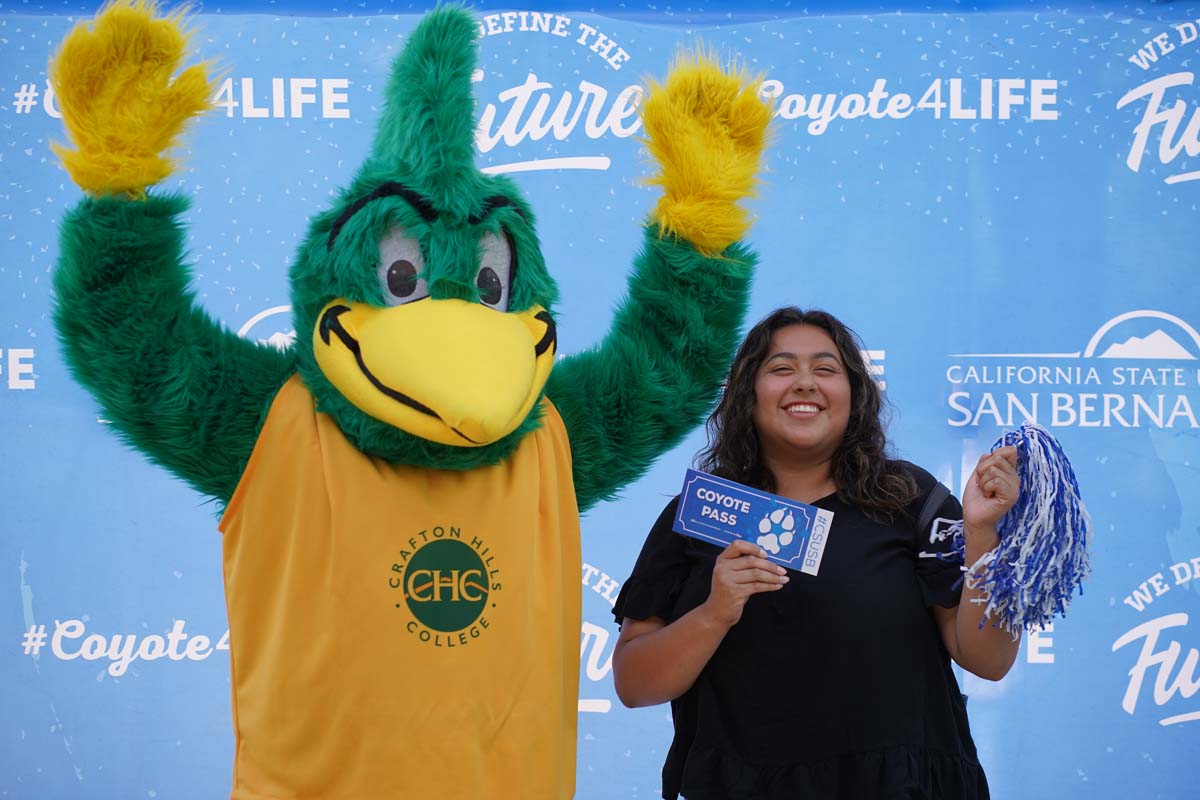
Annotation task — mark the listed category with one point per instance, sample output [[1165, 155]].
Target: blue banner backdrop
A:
[[1003, 204]]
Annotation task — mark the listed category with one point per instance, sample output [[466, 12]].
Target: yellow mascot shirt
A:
[[399, 632]]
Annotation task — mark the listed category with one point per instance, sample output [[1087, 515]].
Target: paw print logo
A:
[[777, 529]]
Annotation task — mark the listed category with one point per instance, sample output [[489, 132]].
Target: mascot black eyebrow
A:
[[402, 487]]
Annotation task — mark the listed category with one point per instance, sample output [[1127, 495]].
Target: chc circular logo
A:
[[447, 583]]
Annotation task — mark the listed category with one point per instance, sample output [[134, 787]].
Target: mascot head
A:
[[421, 300]]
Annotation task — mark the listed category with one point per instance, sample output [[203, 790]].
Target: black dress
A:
[[835, 687]]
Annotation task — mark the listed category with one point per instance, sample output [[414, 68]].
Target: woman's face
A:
[[802, 396]]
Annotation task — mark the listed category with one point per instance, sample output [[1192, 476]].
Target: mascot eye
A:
[[402, 278], [494, 279], [400, 266], [490, 290]]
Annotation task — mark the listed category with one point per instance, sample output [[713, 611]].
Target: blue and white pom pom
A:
[[1042, 558]]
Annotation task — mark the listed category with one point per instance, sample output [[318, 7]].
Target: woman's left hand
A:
[[992, 490], [983, 649]]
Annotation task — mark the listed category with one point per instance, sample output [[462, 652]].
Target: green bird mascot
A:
[[402, 486]]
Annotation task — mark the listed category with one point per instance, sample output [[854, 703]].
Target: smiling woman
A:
[[802, 399], [874, 627], [792, 358]]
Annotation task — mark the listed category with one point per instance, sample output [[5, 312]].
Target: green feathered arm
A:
[[656, 374], [176, 385]]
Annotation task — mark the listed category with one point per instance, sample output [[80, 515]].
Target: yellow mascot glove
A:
[[706, 128], [120, 99]]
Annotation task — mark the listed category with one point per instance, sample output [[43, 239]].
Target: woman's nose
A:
[[803, 382]]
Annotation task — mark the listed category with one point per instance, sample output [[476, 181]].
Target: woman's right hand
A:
[[655, 662], [741, 570]]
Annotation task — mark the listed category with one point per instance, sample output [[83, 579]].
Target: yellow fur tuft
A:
[[706, 127], [121, 107]]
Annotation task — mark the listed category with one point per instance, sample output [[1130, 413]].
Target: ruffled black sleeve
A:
[[939, 567], [659, 574]]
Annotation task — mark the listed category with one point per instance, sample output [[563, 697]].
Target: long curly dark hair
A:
[[864, 474]]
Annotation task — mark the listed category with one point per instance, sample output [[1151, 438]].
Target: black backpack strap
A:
[[933, 501]]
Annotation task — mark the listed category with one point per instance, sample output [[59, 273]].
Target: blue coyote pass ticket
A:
[[715, 510]]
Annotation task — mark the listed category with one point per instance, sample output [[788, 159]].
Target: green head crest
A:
[[427, 130]]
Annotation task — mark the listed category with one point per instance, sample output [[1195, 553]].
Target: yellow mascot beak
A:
[[447, 371]]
